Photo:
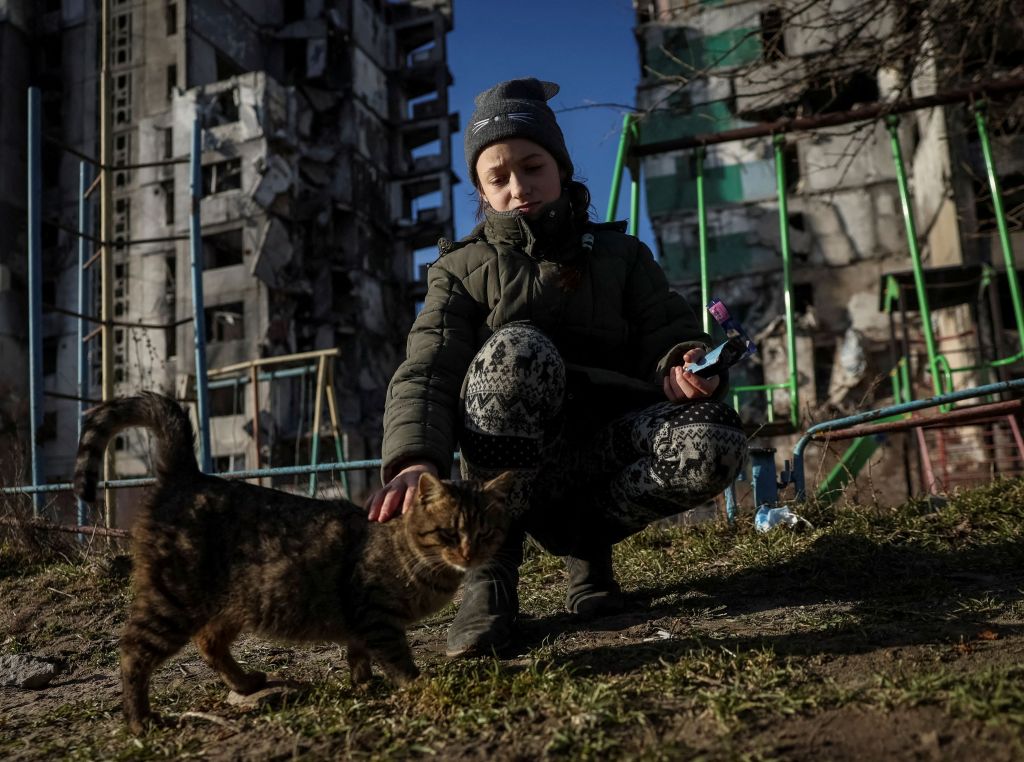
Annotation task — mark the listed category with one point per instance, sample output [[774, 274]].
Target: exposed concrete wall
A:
[[320, 180], [15, 46]]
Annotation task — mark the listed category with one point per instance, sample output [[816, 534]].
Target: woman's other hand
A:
[[397, 496], [682, 385]]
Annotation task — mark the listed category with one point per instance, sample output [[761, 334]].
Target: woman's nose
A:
[[519, 186]]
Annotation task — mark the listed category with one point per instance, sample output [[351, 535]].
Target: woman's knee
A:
[[522, 354], [520, 367], [514, 387], [699, 450]]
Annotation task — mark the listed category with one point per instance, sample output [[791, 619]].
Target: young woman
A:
[[552, 346]]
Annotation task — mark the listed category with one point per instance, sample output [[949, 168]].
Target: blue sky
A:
[[586, 46]]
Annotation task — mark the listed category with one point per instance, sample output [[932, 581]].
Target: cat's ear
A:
[[500, 484], [430, 488]]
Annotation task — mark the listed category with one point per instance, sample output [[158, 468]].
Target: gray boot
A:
[[592, 589], [490, 603]]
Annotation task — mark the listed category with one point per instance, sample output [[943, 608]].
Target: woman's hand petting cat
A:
[[397, 496], [680, 384]]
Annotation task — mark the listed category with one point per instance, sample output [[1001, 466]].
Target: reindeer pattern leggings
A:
[[643, 466]]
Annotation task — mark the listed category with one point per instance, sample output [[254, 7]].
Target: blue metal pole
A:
[[872, 415], [762, 476], [222, 383], [83, 309], [195, 251], [731, 503], [351, 465], [35, 287], [146, 481]]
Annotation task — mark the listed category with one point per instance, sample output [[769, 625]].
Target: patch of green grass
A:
[[992, 695], [734, 686], [973, 605]]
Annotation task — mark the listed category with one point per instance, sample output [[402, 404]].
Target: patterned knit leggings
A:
[[643, 466]]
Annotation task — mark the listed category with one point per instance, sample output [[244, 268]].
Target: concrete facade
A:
[[325, 169], [716, 65]]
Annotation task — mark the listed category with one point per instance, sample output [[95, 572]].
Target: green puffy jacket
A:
[[599, 295]]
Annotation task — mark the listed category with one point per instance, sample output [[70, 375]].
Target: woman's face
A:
[[518, 174]]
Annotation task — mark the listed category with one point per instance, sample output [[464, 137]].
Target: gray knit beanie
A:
[[516, 109]]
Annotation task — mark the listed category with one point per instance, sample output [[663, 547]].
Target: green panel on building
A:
[[669, 193], [728, 254], [728, 184], [681, 54], [666, 125]]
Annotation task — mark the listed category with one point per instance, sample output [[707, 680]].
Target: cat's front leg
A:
[[360, 672], [389, 647]]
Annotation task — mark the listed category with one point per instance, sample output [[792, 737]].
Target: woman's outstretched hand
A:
[[397, 496], [682, 385]]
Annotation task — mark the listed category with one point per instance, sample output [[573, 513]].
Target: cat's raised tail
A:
[[175, 454]]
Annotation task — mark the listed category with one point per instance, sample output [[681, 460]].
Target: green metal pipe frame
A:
[[1010, 267], [634, 202], [787, 278], [702, 238], [1004, 235], [893, 122], [625, 140], [791, 384]]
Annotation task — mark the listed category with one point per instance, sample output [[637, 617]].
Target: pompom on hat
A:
[[516, 109]]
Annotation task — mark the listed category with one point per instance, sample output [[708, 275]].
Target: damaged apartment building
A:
[[711, 67], [325, 168]]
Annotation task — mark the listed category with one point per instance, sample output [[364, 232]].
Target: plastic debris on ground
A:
[[767, 518]]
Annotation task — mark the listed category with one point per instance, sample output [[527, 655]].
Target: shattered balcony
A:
[[424, 147]]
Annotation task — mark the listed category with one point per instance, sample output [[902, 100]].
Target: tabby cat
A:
[[214, 558]]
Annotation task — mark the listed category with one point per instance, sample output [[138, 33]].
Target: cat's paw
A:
[[141, 724], [360, 673], [250, 682], [403, 677]]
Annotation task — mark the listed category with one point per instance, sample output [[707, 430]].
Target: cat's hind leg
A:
[[148, 640], [214, 643]]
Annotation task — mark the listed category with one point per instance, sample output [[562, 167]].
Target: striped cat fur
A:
[[215, 558]]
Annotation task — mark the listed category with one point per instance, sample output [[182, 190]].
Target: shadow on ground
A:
[[889, 596]]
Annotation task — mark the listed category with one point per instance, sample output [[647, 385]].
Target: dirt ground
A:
[[901, 638]]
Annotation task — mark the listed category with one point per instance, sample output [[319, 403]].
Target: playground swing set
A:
[[864, 429]]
